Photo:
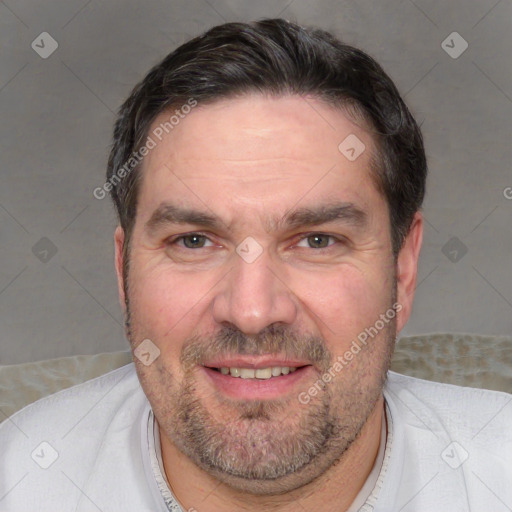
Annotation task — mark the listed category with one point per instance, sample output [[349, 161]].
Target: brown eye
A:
[[318, 241], [193, 241]]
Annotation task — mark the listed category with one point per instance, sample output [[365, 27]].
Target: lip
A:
[[254, 362], [257, 389]]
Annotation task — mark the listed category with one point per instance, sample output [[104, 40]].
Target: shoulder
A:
[[451, 410], [65, 406], [55, 443], [466, 401], [456, 439]]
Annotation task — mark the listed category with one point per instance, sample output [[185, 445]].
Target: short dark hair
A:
[[276, 57]]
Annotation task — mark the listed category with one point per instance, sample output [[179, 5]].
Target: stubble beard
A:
[[267, 447]]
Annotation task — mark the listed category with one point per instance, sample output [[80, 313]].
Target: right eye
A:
[[191, 241]]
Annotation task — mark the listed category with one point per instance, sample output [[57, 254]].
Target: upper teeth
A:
[[260, 373]]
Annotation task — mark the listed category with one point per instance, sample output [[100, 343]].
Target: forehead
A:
[[252, 148]]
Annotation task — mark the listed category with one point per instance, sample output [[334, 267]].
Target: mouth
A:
[[258, 373], [256, 380]]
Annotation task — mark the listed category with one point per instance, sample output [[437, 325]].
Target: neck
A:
[[336, 488]]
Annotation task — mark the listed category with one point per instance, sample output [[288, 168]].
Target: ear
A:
[[407, 270], [118, 247]]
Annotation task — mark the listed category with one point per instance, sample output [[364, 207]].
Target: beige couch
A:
[[462, 359]]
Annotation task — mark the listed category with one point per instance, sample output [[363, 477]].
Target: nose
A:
[[253, 296]]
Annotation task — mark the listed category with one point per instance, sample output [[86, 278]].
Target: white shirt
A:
[[448, 449]]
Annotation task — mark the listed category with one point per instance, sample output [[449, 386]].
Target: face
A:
[[258, 246]]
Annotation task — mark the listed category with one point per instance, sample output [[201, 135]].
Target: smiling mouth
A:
[[269, 372]]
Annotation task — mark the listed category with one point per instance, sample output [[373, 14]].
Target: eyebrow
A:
[[347, 213], [170, 214]]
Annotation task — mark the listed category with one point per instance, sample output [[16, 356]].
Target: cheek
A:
[[165, 305], [346, 301]]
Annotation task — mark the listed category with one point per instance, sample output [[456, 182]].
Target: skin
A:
[[249, 161]]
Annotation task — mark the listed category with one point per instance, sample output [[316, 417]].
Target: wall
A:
[[58, 294]]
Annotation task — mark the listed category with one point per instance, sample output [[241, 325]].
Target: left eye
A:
[[317, 241]]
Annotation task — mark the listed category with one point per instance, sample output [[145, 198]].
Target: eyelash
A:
[[174, 241]]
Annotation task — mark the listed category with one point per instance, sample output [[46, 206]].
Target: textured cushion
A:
[[462, 359], [22, 384]]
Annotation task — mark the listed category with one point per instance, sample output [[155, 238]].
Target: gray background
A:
[[55, 133]]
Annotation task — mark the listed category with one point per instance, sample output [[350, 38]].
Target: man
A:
[[268, 180]]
